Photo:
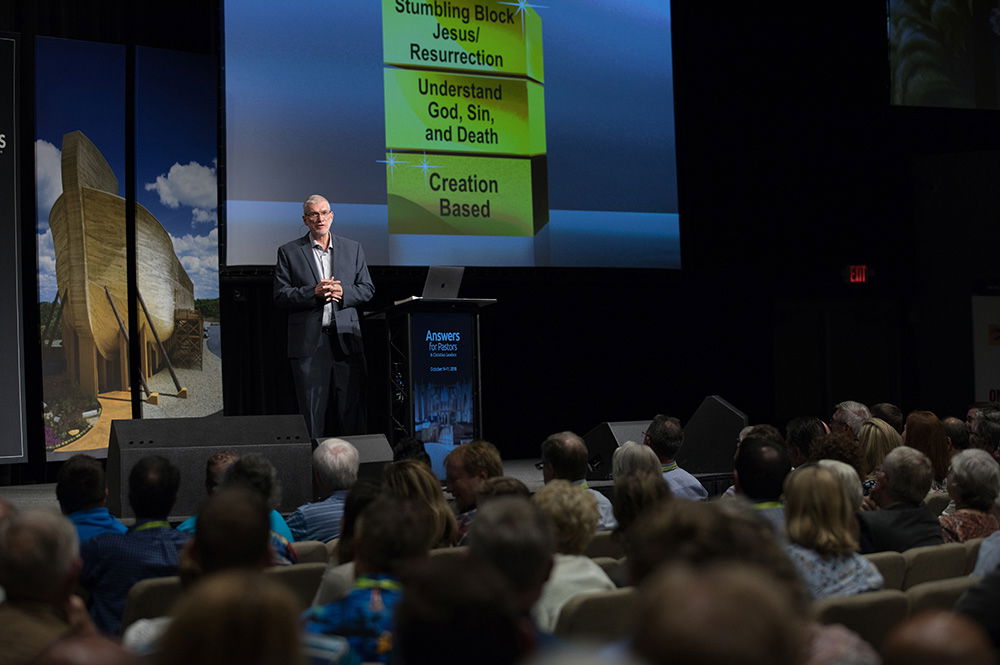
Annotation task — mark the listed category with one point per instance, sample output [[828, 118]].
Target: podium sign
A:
[[443, 376], [433, 366]]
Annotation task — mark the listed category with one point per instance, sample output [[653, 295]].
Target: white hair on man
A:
[[313, 198], [336, 464]]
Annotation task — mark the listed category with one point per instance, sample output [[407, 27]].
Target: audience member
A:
[[726, 613], [938, 638], [821, 535], [902, 521], [39, 569], [981, 603], [459, 611], [799, 435], [842, 447], [634, 493], [502, 486], [335, 470], [514, 537], [257, 474], [410, 448], [83, 497], [759, 471], [233, 618], [848, 416], [849, 482], [113, 562], [985, 430], [215, 472], [975, 412], [666, 436], [924, 432], [233, 533], [410, 479], [466, 468], [730, 532], [973, 484], [392, 534], [632, 457], [877, 438], [890, 414], [87, 648], [338, 578], [573, 514], [564, 457], [957, 432]]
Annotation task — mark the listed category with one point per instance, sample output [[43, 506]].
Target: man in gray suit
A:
[[320, 279]]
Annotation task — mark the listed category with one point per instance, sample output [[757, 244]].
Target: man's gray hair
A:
[[37, 551], [514, 536], [908, 473], [336, 463], [312, 198], [854, 414], [632, 457], [976, 477]]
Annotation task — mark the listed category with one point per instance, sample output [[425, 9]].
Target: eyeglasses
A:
[[316, 215]]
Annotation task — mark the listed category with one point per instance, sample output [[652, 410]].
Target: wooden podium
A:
[[432, 362]]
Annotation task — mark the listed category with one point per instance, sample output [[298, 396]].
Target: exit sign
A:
[[858, 274]]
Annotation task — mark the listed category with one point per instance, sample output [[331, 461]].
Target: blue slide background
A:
[[305, 114]]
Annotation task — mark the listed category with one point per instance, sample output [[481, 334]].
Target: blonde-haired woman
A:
[[410, 479], [877, 438], [822, 535]]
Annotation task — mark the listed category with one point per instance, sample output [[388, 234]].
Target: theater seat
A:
[[603, 616], [892, 565], [972, 553], [934, 562], [871, 615], [939, 594], [302, 579], [150, 598], [311, 551]]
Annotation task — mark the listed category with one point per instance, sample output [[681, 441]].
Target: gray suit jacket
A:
[[295, 277]]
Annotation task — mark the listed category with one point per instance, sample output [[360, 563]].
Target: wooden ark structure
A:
[[88, 232]]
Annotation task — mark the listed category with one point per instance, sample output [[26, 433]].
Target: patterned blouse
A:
[[965, 524], [835, 575]]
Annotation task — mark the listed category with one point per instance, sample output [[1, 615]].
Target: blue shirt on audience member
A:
[[320, 520], [278, 525], [113, 562], [90, 522], [364, 617]]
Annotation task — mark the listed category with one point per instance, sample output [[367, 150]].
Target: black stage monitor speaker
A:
[[189, 442], [603, 440], [374, 452], [710, 437]]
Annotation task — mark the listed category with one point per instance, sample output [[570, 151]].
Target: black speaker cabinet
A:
[[603, 440], [374, 452], [710, 437], [709, 440], [189, 442]]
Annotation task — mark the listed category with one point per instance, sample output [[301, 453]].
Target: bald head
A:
[[938, 638], [564, 457]]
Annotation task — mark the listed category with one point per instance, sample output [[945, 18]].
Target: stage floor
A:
[[44, 496]]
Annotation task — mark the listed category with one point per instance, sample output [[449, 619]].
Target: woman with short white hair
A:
[[973, 484]]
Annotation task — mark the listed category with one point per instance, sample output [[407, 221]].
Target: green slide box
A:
[[465, 195], [481, 36], [463, 113]]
